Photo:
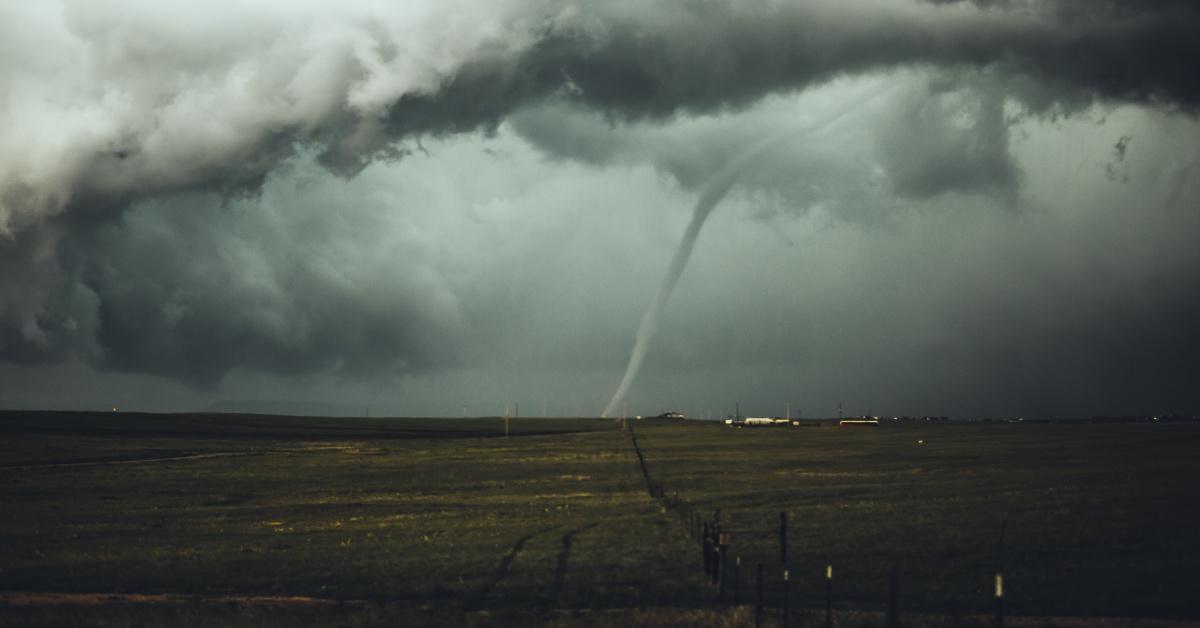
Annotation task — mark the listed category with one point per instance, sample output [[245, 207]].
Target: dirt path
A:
[[505, 565], [560, 571]]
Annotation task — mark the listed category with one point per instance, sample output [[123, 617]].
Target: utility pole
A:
[[787, 413]]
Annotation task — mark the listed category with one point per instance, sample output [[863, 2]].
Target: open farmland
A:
[[437, 519], [251, 520]]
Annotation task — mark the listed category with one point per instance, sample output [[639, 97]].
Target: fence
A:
[[719, 557]]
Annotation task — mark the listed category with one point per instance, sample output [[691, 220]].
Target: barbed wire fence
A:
[[723, 565]]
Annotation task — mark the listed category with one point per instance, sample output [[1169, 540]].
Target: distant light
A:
[[921, 441]]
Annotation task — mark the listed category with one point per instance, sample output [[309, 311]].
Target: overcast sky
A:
[[429, 208]]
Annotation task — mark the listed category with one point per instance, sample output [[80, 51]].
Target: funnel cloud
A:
[[713, 193]]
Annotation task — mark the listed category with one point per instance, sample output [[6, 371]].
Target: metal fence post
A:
[[737, 581], [758, 604], [783, 537], [829, 596], [723, 545], [893, 613], [717, 560], [786, 590], [999, 600]]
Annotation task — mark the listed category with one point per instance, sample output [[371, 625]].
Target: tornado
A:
[[713, 193]]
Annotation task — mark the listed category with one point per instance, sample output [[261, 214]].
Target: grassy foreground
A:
[[201, 520], [419, 519]]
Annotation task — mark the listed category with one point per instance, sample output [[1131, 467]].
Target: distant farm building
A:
[[853, 422], [752, 421], [671, 415]]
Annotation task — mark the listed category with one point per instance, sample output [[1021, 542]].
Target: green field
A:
[[255, 520]]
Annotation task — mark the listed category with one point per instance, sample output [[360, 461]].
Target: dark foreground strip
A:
[[618, 616], [50, 598]]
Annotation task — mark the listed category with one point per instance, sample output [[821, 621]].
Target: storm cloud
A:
[[183, 189]]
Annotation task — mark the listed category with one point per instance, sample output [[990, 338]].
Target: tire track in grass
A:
[[173, 458], [560, 571], [93, 463], [505, 565]]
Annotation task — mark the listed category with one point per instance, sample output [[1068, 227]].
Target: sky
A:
[[921, 207]]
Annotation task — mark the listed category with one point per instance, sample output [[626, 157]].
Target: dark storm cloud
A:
[[108, 109], [192, 289], [949, 137], [702, 55], [931, 134]]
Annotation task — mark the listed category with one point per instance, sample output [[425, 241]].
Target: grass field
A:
[[253, 520], [1095, 519]]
